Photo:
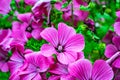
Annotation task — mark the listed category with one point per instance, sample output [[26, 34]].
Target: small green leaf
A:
[[65, 5]]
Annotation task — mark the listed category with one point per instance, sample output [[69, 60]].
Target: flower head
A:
[[17, 60], [28, 28], [83, 70], [65, 43], [74, 15], [37, 64], [41, 8]]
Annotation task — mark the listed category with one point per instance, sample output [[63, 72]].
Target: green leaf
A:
[[65, 5]]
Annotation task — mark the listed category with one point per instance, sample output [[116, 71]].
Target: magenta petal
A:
[[67, 57], [19, 36], [80, 55], [5, 67], [75, 43], [50, 35], [116, 63], [38, 60], [66, 16], [14, 77], [16, 26], [4, 35], [43, 62], [108, 37], [116, 41], [64, 33], [53, 77], [19, 26], [117, 27], [81, 15], [81, 69], [118, 14], [30, 68], [17, 57], [5, 6], [117, 77], [24, 17], [58, 69], [101, 71], [58, 5], [1, 63], [30, 2], [77, 3], [47, 50], [37, 77], [110, 50], [67, 77], [36, 33], [27, 76], [14, 66]]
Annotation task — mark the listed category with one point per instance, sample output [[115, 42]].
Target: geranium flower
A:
[[112, 49], [37, 64], [65, 43], [5, 6], [83, 70]]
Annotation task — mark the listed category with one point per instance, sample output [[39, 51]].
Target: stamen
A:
[[29, 29]]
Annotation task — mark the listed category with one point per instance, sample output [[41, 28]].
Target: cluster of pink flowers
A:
[[62, 56]]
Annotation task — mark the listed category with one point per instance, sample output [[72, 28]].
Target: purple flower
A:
[[5, 6], [83, 70], [28, 28], [112, 49], [78, 15], [41, 8], [37, 64], [17, 60], [5, 41], [65, 43]]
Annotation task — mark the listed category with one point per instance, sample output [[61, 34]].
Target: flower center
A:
[[29, 29], [38, 69], [60, 49]]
